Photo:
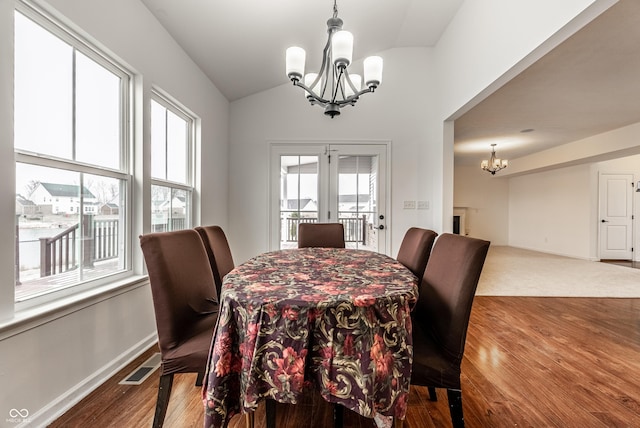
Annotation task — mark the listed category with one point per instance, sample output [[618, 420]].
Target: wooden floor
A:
[[529, 362]]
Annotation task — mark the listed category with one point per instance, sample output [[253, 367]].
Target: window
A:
[[171, 165], [71, 144]]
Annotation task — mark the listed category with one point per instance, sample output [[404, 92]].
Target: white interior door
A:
[[343, 183], [616, 215]]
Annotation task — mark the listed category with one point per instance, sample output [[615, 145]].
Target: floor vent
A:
[[142, 372]]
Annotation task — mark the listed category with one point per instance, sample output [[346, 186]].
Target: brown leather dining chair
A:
[[329, 235], [218, 252], [441, 316], [185, 305], [415, 249]]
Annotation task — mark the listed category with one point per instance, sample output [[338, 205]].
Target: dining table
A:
[[334, 319]]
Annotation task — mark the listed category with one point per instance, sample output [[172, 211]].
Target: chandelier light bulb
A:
[[373, 71], [309, 78], [295, 59], [342, 48], [356, 79]]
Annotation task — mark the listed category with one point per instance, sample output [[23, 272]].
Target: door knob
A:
[[604, 221], [381, 227]]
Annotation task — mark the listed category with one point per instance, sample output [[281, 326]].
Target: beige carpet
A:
[[510, 271]]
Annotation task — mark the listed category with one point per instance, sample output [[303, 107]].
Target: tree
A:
[[31, 186]]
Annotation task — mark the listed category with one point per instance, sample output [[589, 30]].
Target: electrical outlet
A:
[[409, 205], [423, 205]]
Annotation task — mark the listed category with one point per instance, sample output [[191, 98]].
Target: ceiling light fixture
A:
[[333, 87], [494, 164]]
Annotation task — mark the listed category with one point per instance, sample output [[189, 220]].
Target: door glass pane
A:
[[97, 114], [298, 196], [64, 236], [357, 200]]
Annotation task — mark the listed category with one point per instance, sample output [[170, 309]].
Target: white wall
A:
[[396, 112], [554, 208], [485, 198], [550, 211], [488, 42], [47, 363]]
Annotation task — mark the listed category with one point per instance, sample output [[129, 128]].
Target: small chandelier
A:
[[494, 164], [333, 86]]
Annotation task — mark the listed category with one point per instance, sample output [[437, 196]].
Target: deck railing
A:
[[100, 242], [355, 228], [57, 253]]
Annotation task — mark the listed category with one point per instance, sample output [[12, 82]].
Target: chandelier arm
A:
[[310, 93], [323, 70], [347, 78], [338, 88]]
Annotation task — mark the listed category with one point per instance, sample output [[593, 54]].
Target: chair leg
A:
[[455, 407], [200, 378], [338, 416], [249, 419], [432, 393], [164, 392], [270, 408]]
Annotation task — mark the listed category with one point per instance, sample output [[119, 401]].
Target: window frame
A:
[[124, 174], [172, 105]]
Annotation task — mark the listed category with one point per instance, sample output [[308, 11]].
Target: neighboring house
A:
[[168, 214], [305, 204], [176, 206], [25, 207], [353, 202], [109, 209], [64, 198]]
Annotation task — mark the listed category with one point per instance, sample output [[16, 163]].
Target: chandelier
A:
[[333, 86], [494, 164]]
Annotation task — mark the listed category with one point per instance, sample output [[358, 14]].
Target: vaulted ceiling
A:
[[587, 85]]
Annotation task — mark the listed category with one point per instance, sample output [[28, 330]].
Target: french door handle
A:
[[604, 221]]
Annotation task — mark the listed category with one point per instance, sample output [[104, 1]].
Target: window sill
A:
[[33, 317]]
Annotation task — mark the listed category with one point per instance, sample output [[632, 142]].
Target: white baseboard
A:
[[73, 396]]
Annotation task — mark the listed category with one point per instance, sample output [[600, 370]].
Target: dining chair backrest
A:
[[447, 290], [182, 286], [185, 305], [415, 249], [218, 252], [330, 235]]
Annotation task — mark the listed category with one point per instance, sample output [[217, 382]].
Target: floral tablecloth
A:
[[334, 319]]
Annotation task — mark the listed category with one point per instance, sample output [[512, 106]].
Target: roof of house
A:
[[66, 190], [295, 204], [24, 201]]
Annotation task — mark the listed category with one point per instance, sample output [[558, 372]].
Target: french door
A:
[[329, 183]]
